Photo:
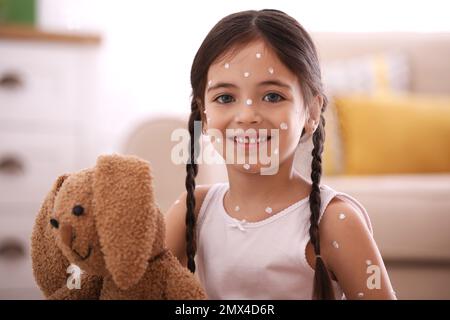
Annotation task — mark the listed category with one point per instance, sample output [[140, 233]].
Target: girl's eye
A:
[[224, 98], [273, 97]]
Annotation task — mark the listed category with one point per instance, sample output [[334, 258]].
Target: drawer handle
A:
[[11, 80], [11, 165], [11, 249]]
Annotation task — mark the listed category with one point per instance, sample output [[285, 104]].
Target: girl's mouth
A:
[[250, 141]]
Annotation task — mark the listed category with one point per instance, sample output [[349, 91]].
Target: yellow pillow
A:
[[332, 152], [391, 134], [375, 74]]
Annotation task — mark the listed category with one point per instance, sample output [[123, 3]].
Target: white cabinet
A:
[[47, 91]]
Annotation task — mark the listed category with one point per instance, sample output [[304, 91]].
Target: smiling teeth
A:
[[251, 140], [262, 139]]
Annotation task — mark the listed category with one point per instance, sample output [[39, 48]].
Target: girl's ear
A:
[[313, 115], [49, 264], [125, 216], [203, 115]]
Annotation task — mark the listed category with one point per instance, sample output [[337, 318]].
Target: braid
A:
[[322, 283], [191, 173]]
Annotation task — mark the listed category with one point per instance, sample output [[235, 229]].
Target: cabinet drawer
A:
[[30, 163], [15, 256], [37, 84]]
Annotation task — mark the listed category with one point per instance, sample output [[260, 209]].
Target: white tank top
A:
[[258, 260]]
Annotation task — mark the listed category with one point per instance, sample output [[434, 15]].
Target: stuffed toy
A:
[[105, 222]]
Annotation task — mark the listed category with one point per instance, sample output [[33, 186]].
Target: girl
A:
[[269, 236]]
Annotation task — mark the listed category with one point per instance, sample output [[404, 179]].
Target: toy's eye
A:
[[78, 210], [54, 223]]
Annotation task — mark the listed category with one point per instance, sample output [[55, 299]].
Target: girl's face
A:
[[254, 90]]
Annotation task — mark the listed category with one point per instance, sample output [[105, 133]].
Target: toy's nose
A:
[[66, 234]]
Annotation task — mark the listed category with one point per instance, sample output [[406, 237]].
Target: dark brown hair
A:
[[295, 49]]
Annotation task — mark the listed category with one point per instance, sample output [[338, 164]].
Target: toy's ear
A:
[[125, 221], [49, 264]]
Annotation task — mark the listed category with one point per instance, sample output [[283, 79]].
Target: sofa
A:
[[410, 212]]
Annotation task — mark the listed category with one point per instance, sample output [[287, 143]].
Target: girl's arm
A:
[[351, 254], [175, 219]]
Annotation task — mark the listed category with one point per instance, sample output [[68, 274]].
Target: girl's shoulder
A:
[[200, 194], [342, 206], [179, 206]]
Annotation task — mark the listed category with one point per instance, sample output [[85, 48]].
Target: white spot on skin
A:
[[209, 83], [275, 151], [237, 208], [270, 70], [360, 294], [283, 126], [341, 216], [368, 262], [268, 210], [246, 166], [227, 65], [246, 74], [249, 102], [258, 55], [218, 140], [335, 244], [177, 202]]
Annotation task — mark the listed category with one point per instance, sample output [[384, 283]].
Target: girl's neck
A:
[[254, 193]]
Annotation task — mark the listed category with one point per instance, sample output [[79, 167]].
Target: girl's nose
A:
[[248, 114]]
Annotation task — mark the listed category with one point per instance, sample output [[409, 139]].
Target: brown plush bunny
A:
[[105, 221]]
